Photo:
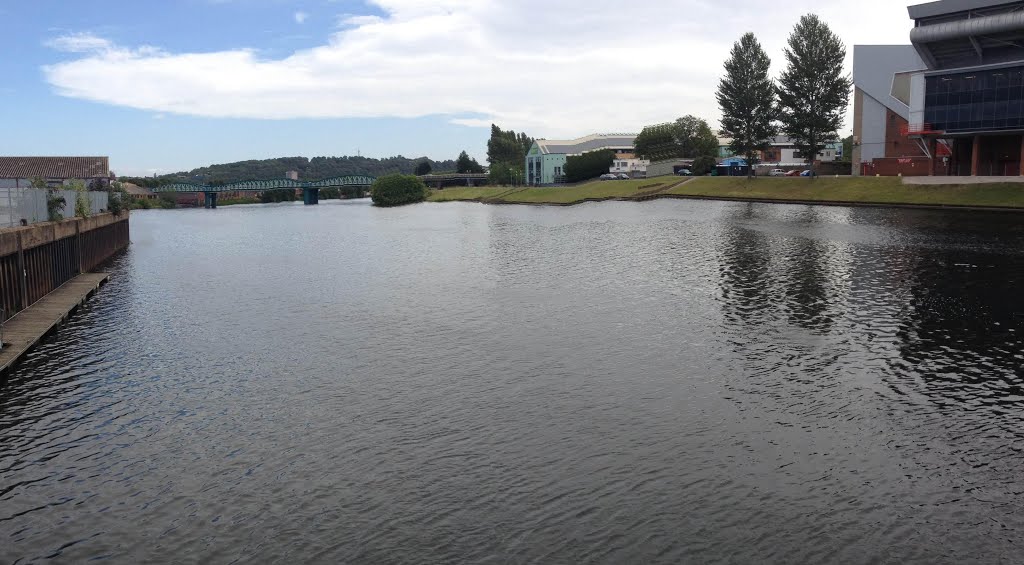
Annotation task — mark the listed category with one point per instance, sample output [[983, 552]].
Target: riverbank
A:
[[596, 191], [880, 191]]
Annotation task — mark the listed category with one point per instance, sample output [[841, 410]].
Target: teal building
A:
[[545, 161]]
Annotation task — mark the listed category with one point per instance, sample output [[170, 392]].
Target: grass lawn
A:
[[556, 195], [467, 193], [880, 190]]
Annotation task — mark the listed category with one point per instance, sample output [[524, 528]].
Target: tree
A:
[[507, 147], [466, 164], [848, 148], [813, 91], [747, 98], [656, 143], [703, 165], [423, 168], [588, 165], [695, 138], [396, 190]]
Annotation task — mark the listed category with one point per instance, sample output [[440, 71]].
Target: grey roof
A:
[[943, 7], [874, 67], [586, 144]]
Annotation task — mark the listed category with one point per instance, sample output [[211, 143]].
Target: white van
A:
[[777, 173]]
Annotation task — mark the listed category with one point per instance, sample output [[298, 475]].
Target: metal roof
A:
[[54, 167], [586, 144], [944, 7]]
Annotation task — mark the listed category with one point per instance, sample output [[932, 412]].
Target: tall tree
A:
[[467, 164], [747, 98], [506, 153], [813, 91]]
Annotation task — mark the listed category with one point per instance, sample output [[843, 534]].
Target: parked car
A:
[[623, 176], [808, 173], [607, 176], [792, 173], [777, 173], [684, 173]]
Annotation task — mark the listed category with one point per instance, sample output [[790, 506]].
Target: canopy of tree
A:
[[467, 164], [309, 169], [689, 137], [396, 190], [423, 168], [506, 152], [588, 165]]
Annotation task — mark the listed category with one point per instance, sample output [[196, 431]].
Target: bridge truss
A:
[[260, 185]]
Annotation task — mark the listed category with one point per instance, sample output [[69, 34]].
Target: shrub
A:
[[703, 165], [396, 190], [117, 198]]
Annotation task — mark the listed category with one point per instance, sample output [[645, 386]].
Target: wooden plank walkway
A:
[[31, 325]]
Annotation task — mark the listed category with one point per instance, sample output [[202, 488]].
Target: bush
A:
[[396, 190], [703, 165], [168, 200]]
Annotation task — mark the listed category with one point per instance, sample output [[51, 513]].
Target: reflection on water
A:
[[659, 382]]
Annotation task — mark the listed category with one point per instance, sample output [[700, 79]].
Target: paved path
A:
[[960, 180], [22, 332]]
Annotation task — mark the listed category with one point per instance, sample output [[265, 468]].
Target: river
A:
[[669, 381]]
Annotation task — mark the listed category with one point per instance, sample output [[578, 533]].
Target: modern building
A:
[[18, 172], [952, 102], [545, 161]]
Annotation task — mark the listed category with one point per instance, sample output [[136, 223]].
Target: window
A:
[[979, 100]]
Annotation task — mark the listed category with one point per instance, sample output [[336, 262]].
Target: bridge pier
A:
[[210, 199], [310, 196]]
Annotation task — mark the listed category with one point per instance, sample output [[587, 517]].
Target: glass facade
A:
[[989, 100]]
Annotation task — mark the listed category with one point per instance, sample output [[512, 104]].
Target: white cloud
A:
[[550, 68], [301, 17]]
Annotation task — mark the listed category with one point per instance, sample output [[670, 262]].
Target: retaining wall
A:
[[35, 260]]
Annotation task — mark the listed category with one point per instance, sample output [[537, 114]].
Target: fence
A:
[[29, 204]]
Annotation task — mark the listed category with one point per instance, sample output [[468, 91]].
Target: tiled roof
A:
[[54, 167]]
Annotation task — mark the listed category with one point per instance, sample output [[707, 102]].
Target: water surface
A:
[[669, 381]]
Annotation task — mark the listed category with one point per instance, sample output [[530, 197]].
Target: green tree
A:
[[848, 148], [747, 98], [813, 91], [117, 198], [695, 137], [467, 164], [703, 165], [82, 207], [423, 168], [506, 153], [657, 143], [396, 190], [588, 165]]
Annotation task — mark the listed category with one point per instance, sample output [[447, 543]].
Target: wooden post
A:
[[78, 243], [22, 274], [975, 155]]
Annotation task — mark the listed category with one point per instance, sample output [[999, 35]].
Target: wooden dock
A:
[[22, 332]]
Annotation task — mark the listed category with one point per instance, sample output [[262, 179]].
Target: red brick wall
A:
[[917, 167], [896, 144]]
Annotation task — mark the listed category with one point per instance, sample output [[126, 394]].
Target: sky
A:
[[173, 85]]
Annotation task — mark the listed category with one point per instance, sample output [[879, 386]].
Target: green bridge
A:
[[310, 190]]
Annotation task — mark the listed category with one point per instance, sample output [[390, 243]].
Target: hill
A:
[[309, 169]]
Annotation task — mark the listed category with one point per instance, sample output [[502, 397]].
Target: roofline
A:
[[943, 7]]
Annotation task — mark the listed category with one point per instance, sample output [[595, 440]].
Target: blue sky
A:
[[177, 84]]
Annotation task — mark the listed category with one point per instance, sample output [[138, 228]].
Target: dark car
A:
[[684, 173]]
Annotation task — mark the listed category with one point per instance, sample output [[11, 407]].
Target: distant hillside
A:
[[309, 169]]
